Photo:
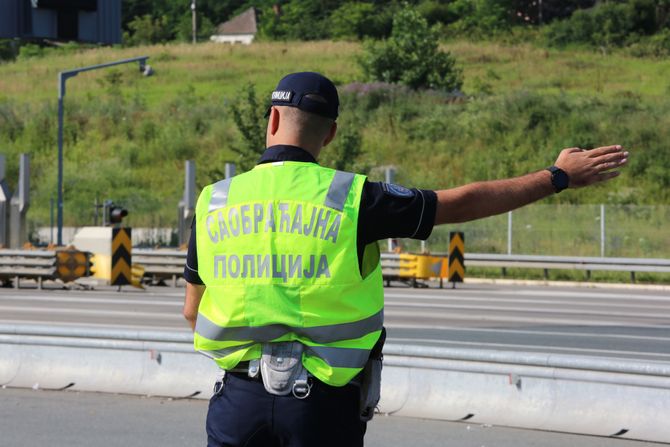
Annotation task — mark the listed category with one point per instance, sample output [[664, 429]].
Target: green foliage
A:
[[184, 28], [251, 123], [146, 29], [436, 11], [299, 20], [606, 25], [657, 46], [479, 17], [411, 56], [353, 20], [127, 136], [30, 50]]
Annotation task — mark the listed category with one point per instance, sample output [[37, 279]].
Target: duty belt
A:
[[242, 370]]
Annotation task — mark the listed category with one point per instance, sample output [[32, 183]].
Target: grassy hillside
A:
[[127, 136]]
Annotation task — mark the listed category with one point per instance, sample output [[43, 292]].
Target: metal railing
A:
[[164, 264], [29, 264], [168, 265]]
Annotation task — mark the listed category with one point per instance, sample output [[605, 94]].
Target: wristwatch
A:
[[559, 178]]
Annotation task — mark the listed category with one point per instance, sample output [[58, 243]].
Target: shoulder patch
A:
[[397, 190]]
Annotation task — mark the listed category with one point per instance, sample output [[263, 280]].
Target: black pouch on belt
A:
[[371, 380]]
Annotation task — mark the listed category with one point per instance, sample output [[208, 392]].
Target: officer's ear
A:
[[331, 134], [273, 123]]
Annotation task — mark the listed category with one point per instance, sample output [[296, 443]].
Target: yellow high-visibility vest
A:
[[277, 251]]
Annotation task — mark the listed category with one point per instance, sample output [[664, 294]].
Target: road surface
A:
[[632, 324], [75, 419]]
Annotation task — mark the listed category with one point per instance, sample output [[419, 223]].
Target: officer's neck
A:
[[313, 149]]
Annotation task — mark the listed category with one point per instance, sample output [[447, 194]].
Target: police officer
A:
[[284, 281]]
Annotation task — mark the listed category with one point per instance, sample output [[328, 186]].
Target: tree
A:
[[411, 56], [250, 121]]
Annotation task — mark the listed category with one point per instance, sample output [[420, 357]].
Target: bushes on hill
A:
[[357, 20], [606, 25], [411, 56]]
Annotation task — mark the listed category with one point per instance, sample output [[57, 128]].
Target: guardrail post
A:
[[602, 230], [18, 229], [389, 177], [186, 208], [509, 234], [5, 198]]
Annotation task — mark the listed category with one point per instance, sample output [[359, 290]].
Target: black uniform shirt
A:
[[387, 210]]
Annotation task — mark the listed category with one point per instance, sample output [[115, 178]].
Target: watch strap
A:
[[559, 178]]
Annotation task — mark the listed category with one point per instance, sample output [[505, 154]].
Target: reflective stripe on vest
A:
[[219, 194], [277, 251], [321, 334], [339, 190]]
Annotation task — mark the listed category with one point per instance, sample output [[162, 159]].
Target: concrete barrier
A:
[[576, 394]]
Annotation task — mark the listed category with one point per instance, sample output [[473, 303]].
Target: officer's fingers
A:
[[617, 157], [570, 150], [604, 150], [604, 167]]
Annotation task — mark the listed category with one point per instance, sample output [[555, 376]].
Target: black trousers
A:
[[243, 414]]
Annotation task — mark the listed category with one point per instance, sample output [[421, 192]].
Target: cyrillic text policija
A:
[[253, 218]]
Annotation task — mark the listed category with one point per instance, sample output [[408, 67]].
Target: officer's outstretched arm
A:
[[192, 299], [483, 199]]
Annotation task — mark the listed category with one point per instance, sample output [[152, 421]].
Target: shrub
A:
[[30, 50], [606, 25], [479, 17], [411, 56], [353, 20], [657, 45], [146, 29]]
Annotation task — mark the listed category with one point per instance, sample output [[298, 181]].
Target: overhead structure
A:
[[94, 21], [63, 76]]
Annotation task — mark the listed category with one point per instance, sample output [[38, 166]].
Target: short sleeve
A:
[[191, 268], [393, 211]]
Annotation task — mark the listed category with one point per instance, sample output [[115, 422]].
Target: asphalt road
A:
[[75, 419], [593, 322]]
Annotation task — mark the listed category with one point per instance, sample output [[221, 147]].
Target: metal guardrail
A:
[[587, 264], [168, 265], [40, 265], [30, 264], [160, 265]]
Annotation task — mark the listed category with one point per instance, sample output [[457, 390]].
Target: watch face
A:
[[560, 180]]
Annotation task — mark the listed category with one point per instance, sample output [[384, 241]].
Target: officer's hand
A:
[[586, 167]]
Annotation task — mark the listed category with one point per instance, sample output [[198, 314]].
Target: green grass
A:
[[221, 69], [567, 275], [212, 69], [127, 136], [551, 71]]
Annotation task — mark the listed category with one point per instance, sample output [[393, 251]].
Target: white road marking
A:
[[517, 319], [95, 312], [100, 325], [527, 332], [83, 300], [520, 346], [462, 294], [499, 300], [527, 310]]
